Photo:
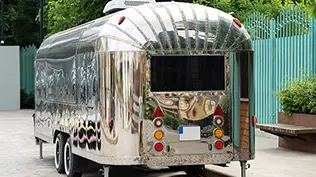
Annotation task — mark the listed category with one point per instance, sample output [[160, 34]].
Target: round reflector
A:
[[219, 144], [218, 120], [218, 133], [158, 135], [158, 147], [158, 122]]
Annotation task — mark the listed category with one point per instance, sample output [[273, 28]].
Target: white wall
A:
[[9, 78]]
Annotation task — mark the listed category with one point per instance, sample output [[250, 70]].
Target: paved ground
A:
[[19, 156]]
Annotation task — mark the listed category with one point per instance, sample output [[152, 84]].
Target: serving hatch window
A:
[[187, 73]]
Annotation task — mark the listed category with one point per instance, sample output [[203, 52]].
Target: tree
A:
[[64, 14], [241, 9], [25, 30]]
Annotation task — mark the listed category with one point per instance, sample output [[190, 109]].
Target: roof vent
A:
[[117, 5]]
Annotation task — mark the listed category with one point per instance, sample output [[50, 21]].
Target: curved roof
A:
[[174, 26], [165, 27]]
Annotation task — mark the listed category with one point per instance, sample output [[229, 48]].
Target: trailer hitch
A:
[[105, 171], [247, 166], [101, 172], [244, 166]]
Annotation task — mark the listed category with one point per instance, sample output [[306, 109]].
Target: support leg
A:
[[106, 171], [243, 168], [41, 149]]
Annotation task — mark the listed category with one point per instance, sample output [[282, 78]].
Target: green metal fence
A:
[[27, 58], [285, 49]]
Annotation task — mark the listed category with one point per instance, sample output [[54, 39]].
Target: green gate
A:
[[285, 49], [27, 58]]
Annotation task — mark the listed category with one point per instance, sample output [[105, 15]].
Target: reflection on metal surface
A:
[[93, 82]]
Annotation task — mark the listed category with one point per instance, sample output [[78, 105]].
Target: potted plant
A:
[[298, 101]]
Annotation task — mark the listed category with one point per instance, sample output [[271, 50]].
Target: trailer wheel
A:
[[194, 170], [59, 153], [70, 161]]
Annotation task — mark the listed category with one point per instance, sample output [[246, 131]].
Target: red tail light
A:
[[122, 18], [254, 121], [219, 144], [110, 122], [158, 147], [237, 22], [158, 112], [219, 111]]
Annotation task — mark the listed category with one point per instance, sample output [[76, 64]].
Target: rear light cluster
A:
[[218, 121], [159, 134]]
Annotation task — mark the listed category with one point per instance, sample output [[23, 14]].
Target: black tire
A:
[[176, 168], [71, 161], [194, 170], [59, 153]]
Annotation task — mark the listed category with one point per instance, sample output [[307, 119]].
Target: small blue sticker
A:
[[180, 130]]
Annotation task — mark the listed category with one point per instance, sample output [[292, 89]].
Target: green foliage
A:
[[64, 14], [241, 9], [311, 9], [299, 97], [172, 122], [20, 25]]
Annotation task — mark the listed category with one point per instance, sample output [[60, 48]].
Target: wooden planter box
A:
[[305, 142]]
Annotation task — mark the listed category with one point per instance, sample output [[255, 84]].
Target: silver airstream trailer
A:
[[157, 84]]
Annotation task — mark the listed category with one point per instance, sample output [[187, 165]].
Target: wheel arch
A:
[[56, 132]]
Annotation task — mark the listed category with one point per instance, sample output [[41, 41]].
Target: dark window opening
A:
[[244, 88], [187, 73]]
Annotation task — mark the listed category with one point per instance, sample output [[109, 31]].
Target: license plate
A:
[[190, 133]]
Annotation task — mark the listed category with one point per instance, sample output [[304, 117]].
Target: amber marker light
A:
[[218, 133], [158, 135]]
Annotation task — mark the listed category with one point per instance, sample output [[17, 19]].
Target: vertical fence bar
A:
[[313, 36], [308, 45], [284, 47], [302, 43], [287, 60], [296, 34], [292, 29], [277, 54], [272, 70], [303, 59], [21, 68]]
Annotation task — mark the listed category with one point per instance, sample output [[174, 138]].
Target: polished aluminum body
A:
[[100, 71]]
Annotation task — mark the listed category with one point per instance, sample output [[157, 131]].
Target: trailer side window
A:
[[187, 73], [244, 75]]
